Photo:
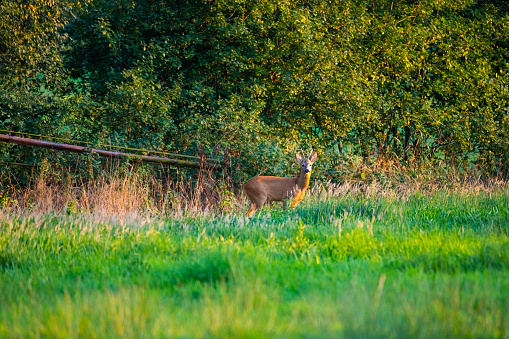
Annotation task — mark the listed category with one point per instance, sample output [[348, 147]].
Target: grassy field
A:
[[427, 265]]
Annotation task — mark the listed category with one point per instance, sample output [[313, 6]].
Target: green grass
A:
[[430, 266]]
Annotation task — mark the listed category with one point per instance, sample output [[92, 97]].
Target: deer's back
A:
[[273, 188]]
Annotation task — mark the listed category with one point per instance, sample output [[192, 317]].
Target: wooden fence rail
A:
[[104, 153]]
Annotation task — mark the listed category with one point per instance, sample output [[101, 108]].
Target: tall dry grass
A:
[[137, 195], [133, 194]]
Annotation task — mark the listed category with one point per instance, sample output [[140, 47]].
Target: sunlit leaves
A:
[[381, 77]]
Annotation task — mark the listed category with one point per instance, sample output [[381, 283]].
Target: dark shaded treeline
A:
[[415, 80]]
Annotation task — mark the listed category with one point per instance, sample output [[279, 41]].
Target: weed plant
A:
[[350, 261]]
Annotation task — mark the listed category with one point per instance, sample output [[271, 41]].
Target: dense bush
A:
[[408, 80]]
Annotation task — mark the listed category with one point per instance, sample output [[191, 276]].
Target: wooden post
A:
[[103, 153]]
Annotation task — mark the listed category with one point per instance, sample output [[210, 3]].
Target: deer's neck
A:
[[303, 180]]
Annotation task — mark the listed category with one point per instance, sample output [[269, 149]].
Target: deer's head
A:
[[306, 163]]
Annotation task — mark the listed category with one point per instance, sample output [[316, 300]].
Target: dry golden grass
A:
[[135, 195]]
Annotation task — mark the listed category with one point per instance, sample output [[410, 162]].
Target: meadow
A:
[[345, 263]]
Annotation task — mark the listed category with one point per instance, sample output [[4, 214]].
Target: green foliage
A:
[[417, 81]]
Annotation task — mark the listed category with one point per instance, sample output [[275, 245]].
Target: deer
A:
[[262, 189]]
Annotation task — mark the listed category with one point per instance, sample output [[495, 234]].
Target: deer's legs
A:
[[251, 211], [254, 206], [298, 197]]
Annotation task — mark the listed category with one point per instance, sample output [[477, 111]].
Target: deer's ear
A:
[[299, 158], [313, 157]]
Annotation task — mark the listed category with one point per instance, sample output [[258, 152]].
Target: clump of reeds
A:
[[136, 194], [120, 193]]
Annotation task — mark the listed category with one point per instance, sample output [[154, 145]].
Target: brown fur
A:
[[262, 189]]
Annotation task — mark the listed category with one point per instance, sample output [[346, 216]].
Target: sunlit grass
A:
[[357, 265]]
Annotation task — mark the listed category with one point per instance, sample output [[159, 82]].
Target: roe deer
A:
[[261, 189]]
